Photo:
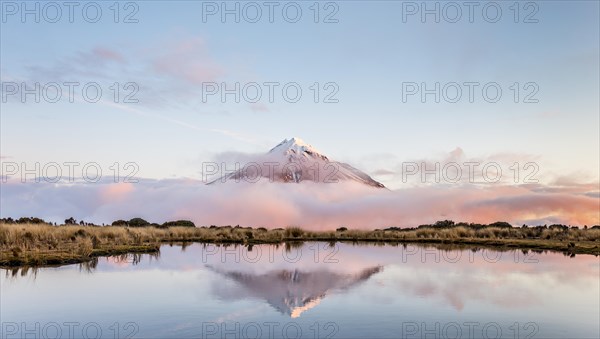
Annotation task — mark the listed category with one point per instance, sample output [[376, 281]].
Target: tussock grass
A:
[[44, 244]]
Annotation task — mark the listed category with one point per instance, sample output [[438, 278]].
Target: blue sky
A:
[[369, 53]]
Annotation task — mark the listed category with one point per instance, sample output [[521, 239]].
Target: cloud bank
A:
[[309, 205]]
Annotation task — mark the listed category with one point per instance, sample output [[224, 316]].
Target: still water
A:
[[310, 290]]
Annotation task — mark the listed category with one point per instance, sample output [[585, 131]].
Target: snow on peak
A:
[[294, 145], [299, 161], [298, 141]]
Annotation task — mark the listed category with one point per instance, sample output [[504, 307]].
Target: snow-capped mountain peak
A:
[[294, 160], [294, 145]]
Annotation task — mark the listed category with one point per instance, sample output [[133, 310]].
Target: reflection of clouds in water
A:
[[290, 292], [461, 287], [501, 282], [410, 271], [559, 293], [507, 279]]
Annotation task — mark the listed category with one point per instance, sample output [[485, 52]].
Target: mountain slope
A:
[[293, 160]]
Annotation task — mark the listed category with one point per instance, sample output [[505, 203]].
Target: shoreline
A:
[[35, 245]]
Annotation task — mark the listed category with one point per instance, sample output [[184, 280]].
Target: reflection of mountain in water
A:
[[293, 292]]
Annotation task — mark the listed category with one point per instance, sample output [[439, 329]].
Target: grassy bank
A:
[[43, 244]]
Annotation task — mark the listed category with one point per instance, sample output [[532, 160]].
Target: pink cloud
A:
[[456, 166], [116, 191], [309, 205], [107, 54], [188, 60]]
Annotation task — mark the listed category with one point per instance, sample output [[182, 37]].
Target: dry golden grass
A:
[[43, 244]]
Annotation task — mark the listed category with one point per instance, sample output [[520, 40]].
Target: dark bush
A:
[[502, 224], [444, 223], [138, 222], [181, 223], [32, 220]]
